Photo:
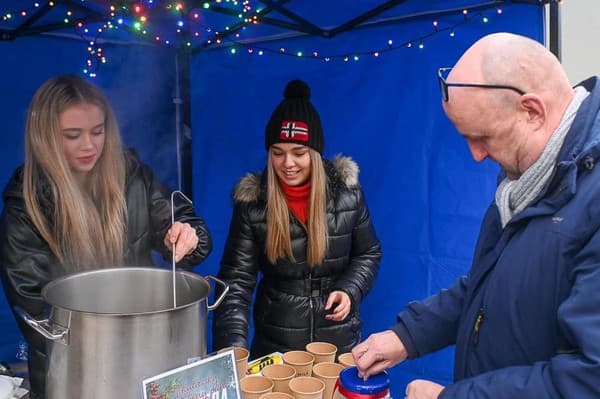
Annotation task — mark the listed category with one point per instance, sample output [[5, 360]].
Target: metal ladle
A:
[[173, 255]]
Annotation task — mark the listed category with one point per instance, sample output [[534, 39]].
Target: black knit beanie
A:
[[295, 120]]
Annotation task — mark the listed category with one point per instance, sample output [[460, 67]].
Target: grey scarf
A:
[[512, 196]]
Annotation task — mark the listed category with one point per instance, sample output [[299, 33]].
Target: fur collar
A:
[[341, 172]]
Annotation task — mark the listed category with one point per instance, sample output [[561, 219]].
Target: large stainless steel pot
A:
[[109, 329]]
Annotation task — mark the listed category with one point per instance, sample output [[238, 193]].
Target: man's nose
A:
[[478, 152]]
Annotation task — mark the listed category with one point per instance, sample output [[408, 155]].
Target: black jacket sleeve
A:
[[360, 275], [159, 204], [26, 267], [239, 267]]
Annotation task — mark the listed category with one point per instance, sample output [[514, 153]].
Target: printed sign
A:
[[214, 377]]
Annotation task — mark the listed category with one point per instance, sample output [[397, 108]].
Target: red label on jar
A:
[[353, 395]]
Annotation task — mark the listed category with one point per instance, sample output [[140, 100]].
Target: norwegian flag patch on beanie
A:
[[294, 130]]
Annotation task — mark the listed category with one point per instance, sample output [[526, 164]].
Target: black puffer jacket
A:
[[289, 309], [27, 264]]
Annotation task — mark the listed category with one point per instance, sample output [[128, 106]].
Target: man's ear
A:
[[535, 108]]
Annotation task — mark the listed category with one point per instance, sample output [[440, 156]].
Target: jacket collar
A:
[[580, 151], [584, 133]]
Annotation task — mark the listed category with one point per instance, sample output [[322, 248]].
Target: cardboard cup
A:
[[302, 361], [346, 359], [328, 372], [253, 386], [307, 388], [276, 395], [280, 374], [241, 359], [323, 351]]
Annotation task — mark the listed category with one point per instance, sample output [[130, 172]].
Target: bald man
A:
[[526, 319]]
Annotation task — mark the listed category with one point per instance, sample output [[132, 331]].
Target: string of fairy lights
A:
[[148, 20], [390, 45]]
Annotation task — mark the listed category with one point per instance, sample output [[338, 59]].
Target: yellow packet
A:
[[255, 366]]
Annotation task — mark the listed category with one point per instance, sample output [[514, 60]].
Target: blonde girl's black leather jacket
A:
[[291, 295], [27, 264]]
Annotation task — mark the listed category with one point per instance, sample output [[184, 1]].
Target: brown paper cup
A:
[[253, 386], [307, 388], [280, 374], [241, 359], [276, 395], [328, 372], [346, 359], [302, 361], [323, 351]]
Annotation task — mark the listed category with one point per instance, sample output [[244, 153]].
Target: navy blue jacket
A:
[[526, 319]]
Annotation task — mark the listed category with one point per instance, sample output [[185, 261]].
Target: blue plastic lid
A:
[[377, 383]]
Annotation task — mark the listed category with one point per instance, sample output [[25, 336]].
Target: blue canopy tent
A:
[[195, 83]]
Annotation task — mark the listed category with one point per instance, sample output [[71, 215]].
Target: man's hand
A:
[[378, 352], [423, 389]]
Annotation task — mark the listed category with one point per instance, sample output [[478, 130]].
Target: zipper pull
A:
[[477, 326]]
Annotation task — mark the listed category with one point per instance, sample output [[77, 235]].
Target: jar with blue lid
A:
[[350, 386]]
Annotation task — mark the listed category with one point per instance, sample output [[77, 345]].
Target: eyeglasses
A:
[[444, 85]]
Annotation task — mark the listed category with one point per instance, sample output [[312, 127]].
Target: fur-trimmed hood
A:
[[342, 171]]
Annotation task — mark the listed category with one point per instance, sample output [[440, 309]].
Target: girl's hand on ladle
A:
[[184, 236]]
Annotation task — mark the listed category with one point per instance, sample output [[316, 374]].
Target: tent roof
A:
[[332, 27], [199, 25]]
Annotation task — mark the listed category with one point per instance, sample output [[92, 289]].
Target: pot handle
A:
[[53, 333], [225, 290]]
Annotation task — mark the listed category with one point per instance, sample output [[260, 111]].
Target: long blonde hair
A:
[[86, 225], [279, 243]]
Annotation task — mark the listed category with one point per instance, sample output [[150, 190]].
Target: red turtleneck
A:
[[297, 199]]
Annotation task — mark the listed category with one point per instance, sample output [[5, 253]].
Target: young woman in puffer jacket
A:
[[302, 236], [82, 202]]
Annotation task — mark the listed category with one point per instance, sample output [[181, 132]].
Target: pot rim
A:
[[153, 269]]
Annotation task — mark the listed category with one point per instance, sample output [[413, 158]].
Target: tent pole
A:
[[183, 125], [554, 30]]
